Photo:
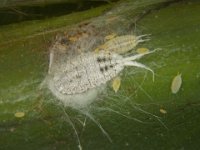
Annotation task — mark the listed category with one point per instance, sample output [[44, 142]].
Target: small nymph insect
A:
[[123, 44], [176, 84], [116, 84]]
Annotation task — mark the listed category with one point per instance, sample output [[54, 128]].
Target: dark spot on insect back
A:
[[106, 68], [78, 76], [102, 70], [98, 59], [103, 59]]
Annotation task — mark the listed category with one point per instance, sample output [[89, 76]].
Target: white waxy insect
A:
[[123, 44], [89, 71], [176, 83], [116, 84]]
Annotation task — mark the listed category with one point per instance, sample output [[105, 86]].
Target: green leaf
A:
[[132, 116]]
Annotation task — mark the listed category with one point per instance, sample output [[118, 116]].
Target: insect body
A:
[[90, 70], [122, 44]]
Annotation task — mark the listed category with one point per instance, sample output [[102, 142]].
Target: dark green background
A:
[[174, 27]]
